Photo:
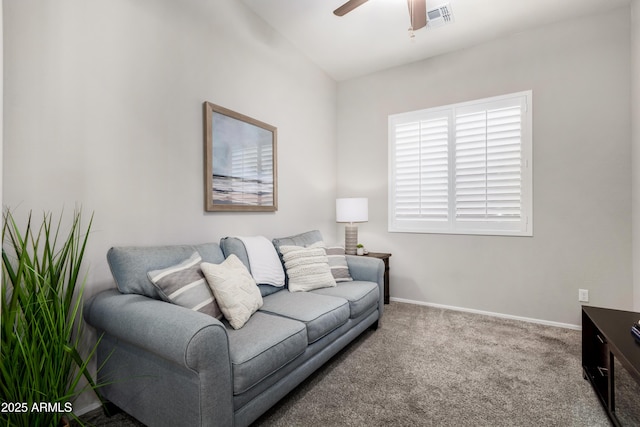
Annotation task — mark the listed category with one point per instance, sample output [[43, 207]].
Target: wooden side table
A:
[[385, 258]]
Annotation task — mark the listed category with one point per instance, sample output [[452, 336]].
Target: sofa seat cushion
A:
[[320, 313], [265, 344], [361, 295]]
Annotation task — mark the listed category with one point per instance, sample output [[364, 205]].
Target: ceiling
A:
[[375, 35]]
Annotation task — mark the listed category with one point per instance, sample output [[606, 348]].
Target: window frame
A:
[[492, 225]]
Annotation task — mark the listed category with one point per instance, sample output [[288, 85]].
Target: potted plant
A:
[[359, 249], [41, 321]]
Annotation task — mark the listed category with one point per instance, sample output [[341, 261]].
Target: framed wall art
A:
[[240, 162]]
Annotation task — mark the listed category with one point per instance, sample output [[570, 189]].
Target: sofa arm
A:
[[195, 387], [155, 326], [368, 269]]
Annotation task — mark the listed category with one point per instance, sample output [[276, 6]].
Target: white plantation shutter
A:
[[488, 162], [463, 168], [421, 184]]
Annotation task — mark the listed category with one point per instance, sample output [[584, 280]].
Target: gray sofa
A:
[[168, 365]]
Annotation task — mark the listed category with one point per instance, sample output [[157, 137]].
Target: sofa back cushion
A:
[[233, 245], [130, 264], [302, 239]]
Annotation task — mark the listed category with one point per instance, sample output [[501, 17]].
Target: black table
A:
[[606, 338]]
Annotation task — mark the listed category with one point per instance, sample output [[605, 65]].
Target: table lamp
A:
[[350, 211]]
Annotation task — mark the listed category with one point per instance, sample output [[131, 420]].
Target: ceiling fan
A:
[[417, 11]]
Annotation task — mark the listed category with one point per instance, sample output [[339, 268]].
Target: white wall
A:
[[635, 133], [103, 109], [579, 72]]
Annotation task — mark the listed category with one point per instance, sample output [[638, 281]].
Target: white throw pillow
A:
[[307, 268], [235, 290]]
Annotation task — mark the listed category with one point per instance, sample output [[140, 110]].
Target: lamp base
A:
[[350, 239]]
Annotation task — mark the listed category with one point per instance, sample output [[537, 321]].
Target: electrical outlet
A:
[[583, 295]]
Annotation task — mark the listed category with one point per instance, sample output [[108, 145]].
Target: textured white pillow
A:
[[307, 268], [235, 290]]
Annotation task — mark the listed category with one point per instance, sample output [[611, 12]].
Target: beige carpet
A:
[[432, 367]]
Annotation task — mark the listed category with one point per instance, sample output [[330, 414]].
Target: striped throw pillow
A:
[[338, 264], [184, 284], [307, 268]]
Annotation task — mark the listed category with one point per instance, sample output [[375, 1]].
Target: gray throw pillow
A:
[[184, 284], [338, 264]]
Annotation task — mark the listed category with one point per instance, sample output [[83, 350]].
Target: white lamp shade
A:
[[352, 210]]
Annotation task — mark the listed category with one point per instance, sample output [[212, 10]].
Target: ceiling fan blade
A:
[[417, 13], [348, 7]]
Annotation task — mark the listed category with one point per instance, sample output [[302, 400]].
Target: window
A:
[[463, 168]]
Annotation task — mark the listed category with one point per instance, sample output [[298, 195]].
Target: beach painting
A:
[[240, 162]]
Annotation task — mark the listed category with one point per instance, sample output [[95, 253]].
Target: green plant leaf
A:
[[41, 316]]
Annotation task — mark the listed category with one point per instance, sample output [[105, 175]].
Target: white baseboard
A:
[[489, 313]]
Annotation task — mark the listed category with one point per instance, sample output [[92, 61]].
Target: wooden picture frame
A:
[[240, 167]]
